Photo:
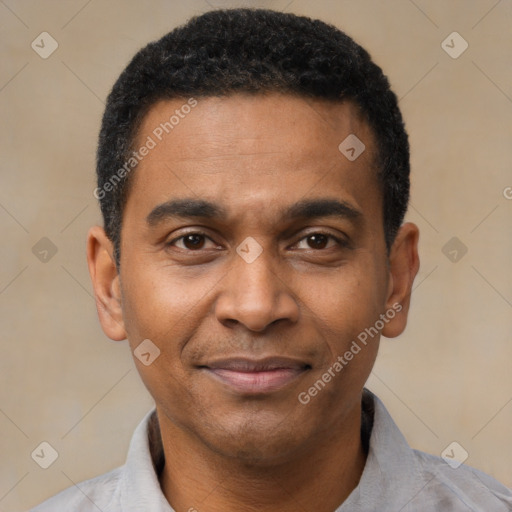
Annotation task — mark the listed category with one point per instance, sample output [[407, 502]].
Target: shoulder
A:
[[132, 487], [462, 485], [410, 480], [99, 493]]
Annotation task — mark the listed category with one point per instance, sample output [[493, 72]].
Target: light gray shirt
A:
[[395, 477]]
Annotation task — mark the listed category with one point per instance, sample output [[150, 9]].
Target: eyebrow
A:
[[199, 208], [185, 208]]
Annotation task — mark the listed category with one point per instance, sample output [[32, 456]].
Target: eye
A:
[[193, 241], [320, 241]]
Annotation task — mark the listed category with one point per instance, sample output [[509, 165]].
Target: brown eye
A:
[[317, 241], [193, 241]]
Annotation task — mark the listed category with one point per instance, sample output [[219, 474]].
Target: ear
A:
[[105, 280], [403, 267]]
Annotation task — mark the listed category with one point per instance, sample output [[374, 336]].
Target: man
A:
[[253, 175]]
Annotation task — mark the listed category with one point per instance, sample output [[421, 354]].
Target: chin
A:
[[255, 442]]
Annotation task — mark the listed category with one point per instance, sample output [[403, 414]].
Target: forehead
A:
[[253, 151], [243, 119]]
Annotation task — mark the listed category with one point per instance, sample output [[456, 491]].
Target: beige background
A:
[[448, 378]]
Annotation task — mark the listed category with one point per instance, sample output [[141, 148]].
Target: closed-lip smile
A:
[[256, 376]]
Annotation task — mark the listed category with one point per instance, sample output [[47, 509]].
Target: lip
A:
[[261, 376]]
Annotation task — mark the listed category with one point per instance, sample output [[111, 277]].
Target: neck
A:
[[318, 478]]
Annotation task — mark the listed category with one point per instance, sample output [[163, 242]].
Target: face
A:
[[253, 257]]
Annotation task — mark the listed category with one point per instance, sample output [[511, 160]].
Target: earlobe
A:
[[403, 267], [105, 280]]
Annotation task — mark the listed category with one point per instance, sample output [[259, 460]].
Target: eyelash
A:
[[339, 241]]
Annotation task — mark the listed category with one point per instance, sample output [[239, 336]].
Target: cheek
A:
[[164, 311], [167, 308], [348, 302], [162, 302], [345, 310]]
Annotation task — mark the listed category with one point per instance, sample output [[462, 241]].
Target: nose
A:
[[256, 296]]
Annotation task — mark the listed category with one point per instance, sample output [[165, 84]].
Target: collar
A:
[[389, 460]]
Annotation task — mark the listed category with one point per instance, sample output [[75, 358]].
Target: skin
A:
[[305, 298]]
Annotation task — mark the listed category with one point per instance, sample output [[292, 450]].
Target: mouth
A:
[[262, 376]]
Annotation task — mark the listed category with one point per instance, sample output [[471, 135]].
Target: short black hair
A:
[[223, 52]]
